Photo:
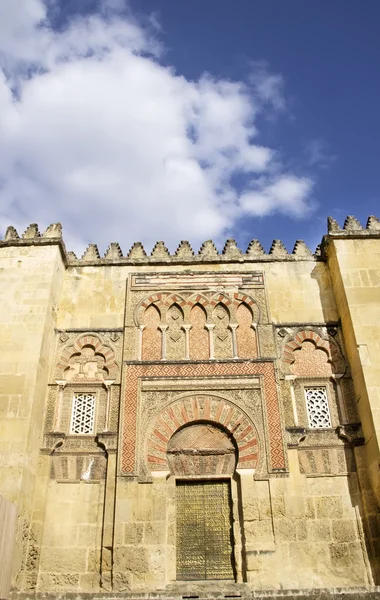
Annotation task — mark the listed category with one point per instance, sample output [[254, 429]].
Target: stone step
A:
[[211, 591]]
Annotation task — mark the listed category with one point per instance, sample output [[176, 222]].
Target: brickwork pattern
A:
[[199, 336], [309, 360], [205, 408], [151, 335], [245, 335], [133, 372]]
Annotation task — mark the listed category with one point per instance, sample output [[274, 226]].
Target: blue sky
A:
[[295, 84]]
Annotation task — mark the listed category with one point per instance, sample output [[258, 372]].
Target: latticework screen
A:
[[83, 415], [317, 407]]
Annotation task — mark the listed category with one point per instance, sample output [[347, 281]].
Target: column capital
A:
[[61, 382], [108, 382]]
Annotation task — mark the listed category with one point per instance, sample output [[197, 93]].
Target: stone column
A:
[[108, 440], [210, 328], [58, 406], [108, 383], [291, 379], [340, 398], [186, 329], [233, 327], [140, 342], [254, 327], [163, 329]]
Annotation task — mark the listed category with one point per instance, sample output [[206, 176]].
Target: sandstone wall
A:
[[94, 513], [31, 283]]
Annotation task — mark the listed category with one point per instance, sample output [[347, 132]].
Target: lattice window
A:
[[317, 407], [83, 415]]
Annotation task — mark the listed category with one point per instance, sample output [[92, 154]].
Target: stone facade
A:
[[128, 380]]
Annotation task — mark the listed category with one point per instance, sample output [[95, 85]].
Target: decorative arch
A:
[[202, 449], [249, 301], [159, 299], [199, 336], [302, 342], [220, 298], [198, 409], [101, 354], [245, 333], [151, 335]]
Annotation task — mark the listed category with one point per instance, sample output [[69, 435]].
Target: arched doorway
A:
[[202, 456]]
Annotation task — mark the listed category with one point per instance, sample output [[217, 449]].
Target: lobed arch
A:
[[202, 408], [329, 346], [76, 349]]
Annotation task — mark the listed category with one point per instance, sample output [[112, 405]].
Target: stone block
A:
[[133, 533], [89, 582], [319, 530], [250, 509], [63, 560], [155, 533], [328, 507], [93, 560], [344, 530], [258, 531], [131, 559], [294, 507], [65, 582], [284, 530], [122, 582], [278, 507]]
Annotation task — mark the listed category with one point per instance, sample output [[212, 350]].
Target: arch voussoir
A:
[[218, 411]]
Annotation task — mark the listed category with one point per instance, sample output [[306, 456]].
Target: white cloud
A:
[[288, 194], [103, 137]]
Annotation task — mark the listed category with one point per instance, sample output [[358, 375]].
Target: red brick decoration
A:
[[245, 335], [99, 347], [203, 408], [308, 354], [134, 372], [199, 336], [151, 347]]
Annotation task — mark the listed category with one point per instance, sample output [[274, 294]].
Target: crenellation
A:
[[53, 231], [373, 223], [11, 234], [160, 251], [31, 232], [137, 251], [231, 250], [352, 224], [91, 253], [278, 249], [208, 250], [301, 249], [184, 250], [255, 249], [113, 252]]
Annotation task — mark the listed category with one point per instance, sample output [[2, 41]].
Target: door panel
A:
[[204, 534]]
